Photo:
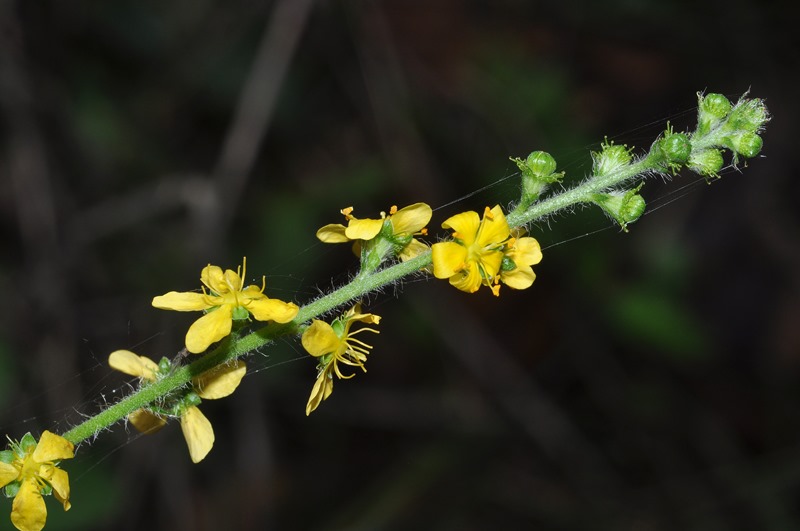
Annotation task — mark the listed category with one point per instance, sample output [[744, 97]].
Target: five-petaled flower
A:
[[475, 255], [219, 382], [226, 300], [333, 344], [399, 228], [30, 469]]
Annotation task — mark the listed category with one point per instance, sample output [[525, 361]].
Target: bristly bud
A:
[[748, 115], [675, 147], [706, 162], [611, 158], [624, 206], [540, 166], [538, 170], [746, 144], [711, 109]]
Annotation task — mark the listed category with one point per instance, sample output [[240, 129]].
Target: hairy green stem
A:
[[749, 114]]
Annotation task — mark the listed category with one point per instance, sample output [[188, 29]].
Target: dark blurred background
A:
[[647, 381]]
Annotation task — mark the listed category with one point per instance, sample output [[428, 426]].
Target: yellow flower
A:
[[401, 227], [333, 344], [219, 382], [227, 299], [29, 470], [475, 255], [521, 253]]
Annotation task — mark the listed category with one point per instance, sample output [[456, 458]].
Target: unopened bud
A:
[[706, 162], [611, 158]]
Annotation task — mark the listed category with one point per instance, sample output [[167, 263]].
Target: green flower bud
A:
[[164, 365], [538, 170], [711, 110], [746, 144], [539, 165], [624, 206], [611, 158], [676, 148], [706, 162]]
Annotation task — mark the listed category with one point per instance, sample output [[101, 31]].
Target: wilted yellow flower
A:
[[30, 469], [333, 344], [219, 382], [475, 255], [227, 299], [401, 227]]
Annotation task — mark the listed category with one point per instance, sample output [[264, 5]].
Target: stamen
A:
[[346, 213], [393, 210], [487, 213]]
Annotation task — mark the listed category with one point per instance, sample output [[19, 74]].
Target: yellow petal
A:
[[363, 229], [448, 258], [213, 278], [198, 433], [322, 389], [494, 229], [60, 483], [210, 328], [468, 280], [233, 281], [320, 339], [52, 447], [220, 381], [465, 224], [8, 474], [146, 421], [491, 261], [520, 278], [413, 249], [267, 309], [129, 363], [332, 233], [181, 301], [28, 512], [411, 219], [526, 251]]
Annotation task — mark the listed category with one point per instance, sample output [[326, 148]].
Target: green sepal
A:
[[624, 206], [46, 490], [6, 456], [164, 366], [191, 399], [507, 264], [338, 326], [11, 490], [240, 313], [611, 158], [28, 443]]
